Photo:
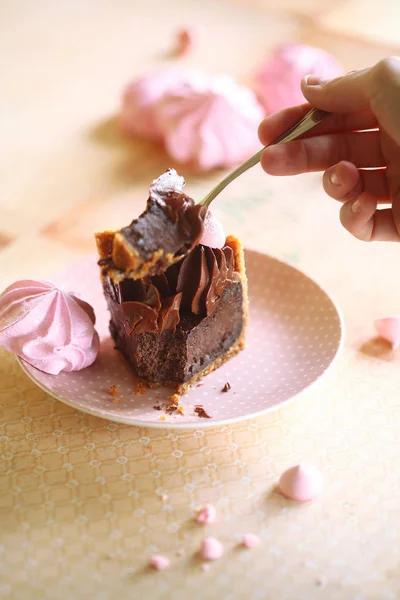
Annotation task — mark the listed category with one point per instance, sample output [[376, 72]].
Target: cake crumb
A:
[[140, 388], [163, 418], [200, 412], [185, 39], [113, 390], [226, 387], [180, 409], [175, 398], [116, 400]]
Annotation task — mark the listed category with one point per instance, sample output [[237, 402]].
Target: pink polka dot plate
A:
[[295, 332]]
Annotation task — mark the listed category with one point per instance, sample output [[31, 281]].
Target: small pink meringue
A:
[[389, 329], [213, 233], [250, 540], [206, 515], [277, 83], [141, 96], [159, 562], [210, 123], [50, 329], [167, 183], [211, 549], [302, 482]]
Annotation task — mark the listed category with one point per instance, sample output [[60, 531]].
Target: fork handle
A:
[[312, 118]]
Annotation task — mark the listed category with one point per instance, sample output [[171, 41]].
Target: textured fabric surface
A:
[[81, 506]]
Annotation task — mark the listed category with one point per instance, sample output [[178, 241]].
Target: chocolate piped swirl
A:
[[193, 286], [202, 278]]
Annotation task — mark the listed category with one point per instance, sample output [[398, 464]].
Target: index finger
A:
[[277, 123]]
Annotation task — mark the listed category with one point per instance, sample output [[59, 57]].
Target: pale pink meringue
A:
[[213, 233], [209, 123], [48, 328], [142, 95], [250, 540], [302, 482], [389, 329], [211, 549], [159, 562], [206, 515], [167, 183], [277, 83]]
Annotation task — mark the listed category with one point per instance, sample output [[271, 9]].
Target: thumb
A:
[[376, 89]]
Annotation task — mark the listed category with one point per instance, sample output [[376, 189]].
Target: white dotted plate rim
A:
[[214, 422]]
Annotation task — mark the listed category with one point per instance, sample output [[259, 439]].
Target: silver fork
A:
[[312, 118]]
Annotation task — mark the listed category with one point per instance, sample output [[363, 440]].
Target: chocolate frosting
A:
[[193, 286], [202, 278]]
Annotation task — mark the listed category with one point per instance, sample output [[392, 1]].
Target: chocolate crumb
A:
[[104, 261], [113, 390], [226, 387], [200, 412], [156, 407], [200, 384]]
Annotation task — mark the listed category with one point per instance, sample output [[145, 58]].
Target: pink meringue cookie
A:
[[142, 95], [211, 549], [167, 183], [277, 83], [302, 482], [389, 329], [48, 328], [159, 562], [213, 233], [209, 124], [250, 540], [206, 515]]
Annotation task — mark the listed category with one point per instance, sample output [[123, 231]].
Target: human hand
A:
[[364, 133]]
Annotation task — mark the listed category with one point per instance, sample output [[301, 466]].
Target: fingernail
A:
[[313, 80], [356, 206], [333, 178]]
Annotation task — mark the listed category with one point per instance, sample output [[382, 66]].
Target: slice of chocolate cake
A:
[[178, 308], [170, 226]]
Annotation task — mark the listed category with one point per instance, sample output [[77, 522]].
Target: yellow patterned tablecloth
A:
[[81, 504]]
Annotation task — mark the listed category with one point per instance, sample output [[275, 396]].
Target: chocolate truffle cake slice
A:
[[169, 227], [186, 314]]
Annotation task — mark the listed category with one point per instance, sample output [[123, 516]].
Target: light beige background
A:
[[80, 507]]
